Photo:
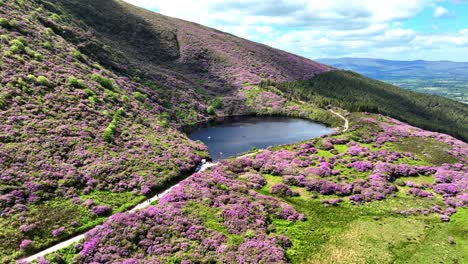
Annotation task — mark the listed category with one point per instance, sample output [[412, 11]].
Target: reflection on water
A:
[[236, 135]]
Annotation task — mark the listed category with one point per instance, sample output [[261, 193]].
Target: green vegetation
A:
[[77, 83], [212, 219], [355, 92], [112, 127], [210, 110], [451, 88], [17, 45], [429, 150], [3, 99], [75, 53], [139, 96], [5, 23], [265, 99], [42, 80], [60, 212], [33, 54], [103, 81], [216, 103]]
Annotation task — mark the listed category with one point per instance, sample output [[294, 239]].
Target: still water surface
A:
[[236, 135]]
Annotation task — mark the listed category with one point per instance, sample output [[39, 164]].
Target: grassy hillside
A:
[[358, 93]]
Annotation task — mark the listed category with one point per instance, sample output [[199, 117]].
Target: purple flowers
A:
[[356, 150], [420, 193], [281, 190], [323, 170], [161, 230], [446, 188], [25, 244], [57, 232], [362, 166], [256, 180], [102, 210]]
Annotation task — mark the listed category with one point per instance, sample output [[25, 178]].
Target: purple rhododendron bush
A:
[[211, 217]]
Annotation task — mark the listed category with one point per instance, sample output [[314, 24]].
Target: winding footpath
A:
[[139, 206], [346, 124]]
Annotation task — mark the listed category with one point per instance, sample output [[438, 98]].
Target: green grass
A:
[[372, 232], [118, 201], [425, 149], [210, 220]]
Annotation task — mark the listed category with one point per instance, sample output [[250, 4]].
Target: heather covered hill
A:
[[92, 98], [162, 47], [70, 128], [190, 60], [88, 125]]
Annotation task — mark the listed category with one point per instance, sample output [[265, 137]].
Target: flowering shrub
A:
[[281, 190], [420, 193], [25, 244], [58, 231], [362, 166], [257, 181], [70, 127], [102, 210], [446, 188]]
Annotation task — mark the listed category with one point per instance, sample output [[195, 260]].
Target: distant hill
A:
[[396, 70]]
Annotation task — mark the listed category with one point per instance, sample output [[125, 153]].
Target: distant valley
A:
[[443, 78]]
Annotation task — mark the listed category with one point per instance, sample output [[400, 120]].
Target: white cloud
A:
[[440, 12], [330, 28], [264, 29], [291, 12]]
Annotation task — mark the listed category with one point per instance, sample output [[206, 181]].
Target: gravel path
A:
[[346, 124]]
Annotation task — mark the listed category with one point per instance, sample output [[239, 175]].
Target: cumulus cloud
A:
[[440, 12], [331, 28]]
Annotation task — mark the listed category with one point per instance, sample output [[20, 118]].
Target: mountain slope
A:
[[160, 45]]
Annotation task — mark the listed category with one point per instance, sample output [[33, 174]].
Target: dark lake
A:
[[237, 135]]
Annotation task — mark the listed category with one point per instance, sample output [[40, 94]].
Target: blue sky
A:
[[396, 29]]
